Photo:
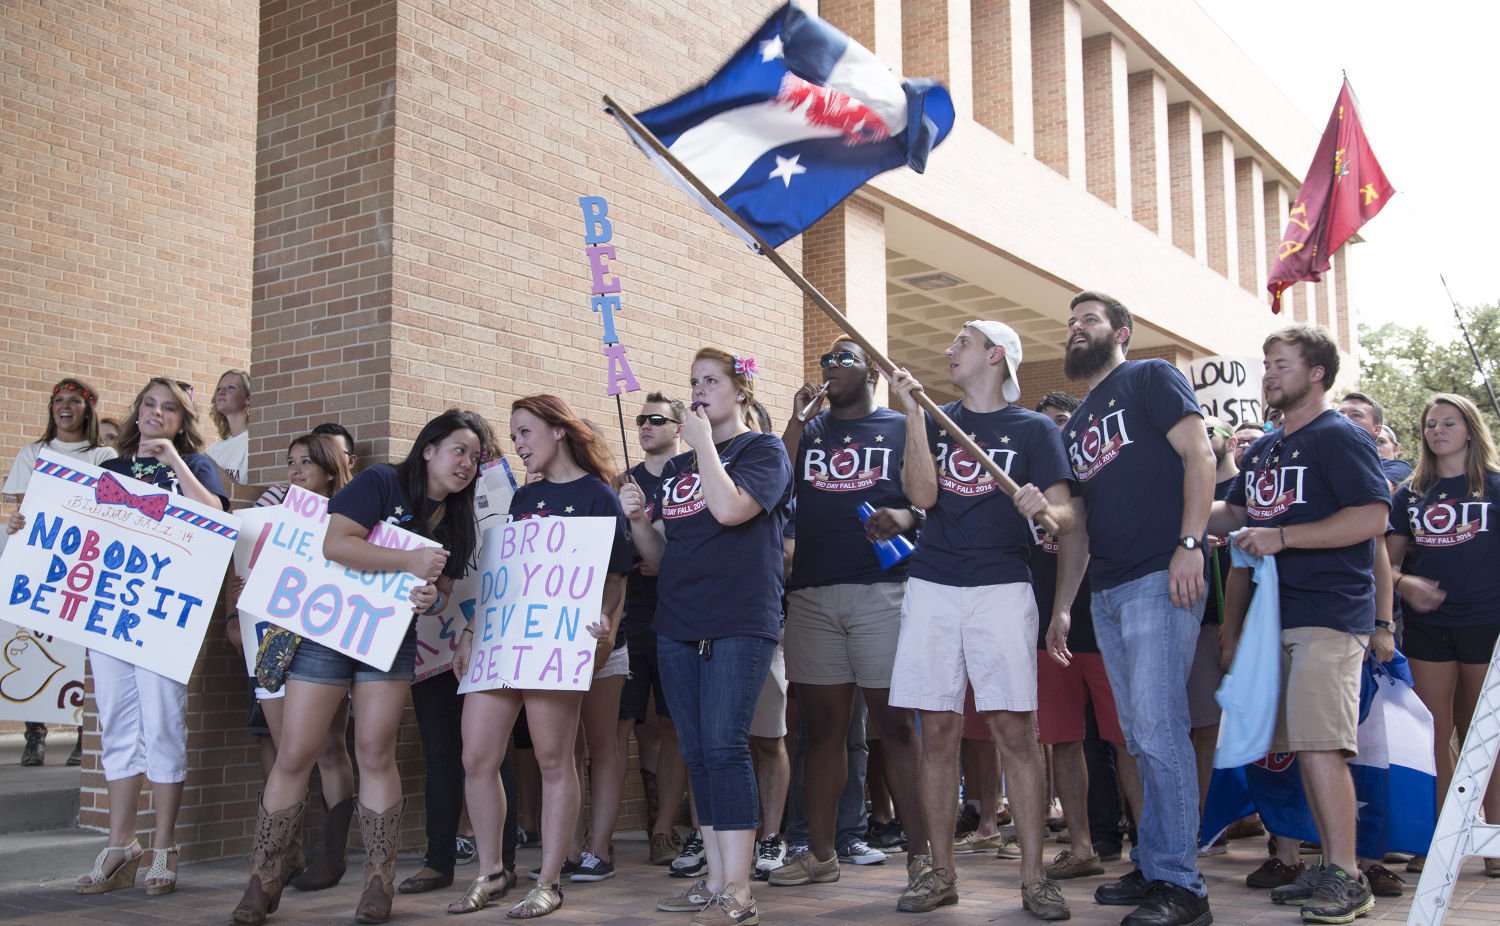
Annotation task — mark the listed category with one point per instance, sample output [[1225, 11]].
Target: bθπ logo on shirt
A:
[[683, 496], [1098, 444], [846, 469], [961, 474], [1445, 523], [1271, 491]]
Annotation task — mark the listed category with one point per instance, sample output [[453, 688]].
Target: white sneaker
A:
[[858, 852], [770, 855]]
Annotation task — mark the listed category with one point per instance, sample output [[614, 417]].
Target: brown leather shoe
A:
[[1273, 872]]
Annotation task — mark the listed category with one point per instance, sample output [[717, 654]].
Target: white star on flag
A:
[[787, 168], [770, 51]]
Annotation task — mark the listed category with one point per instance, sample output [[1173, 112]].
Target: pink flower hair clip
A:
[[746, 367]]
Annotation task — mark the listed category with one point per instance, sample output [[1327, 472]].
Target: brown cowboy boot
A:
[[328, 868], [273, 836], [382, 834]]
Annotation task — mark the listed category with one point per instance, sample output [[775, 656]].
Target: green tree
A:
[[1402, 367]]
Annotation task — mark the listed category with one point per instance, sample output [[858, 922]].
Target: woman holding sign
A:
[[142, 715], [721, 509], [317, 463], [72, 429], [575, 471], [430, 493]]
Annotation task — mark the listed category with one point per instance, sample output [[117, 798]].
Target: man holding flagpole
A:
[[970, 617]]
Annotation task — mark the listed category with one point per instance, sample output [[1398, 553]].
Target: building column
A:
[[1249, 182], [1150, 174], [1220, 209], [1106, 124], [843, 255], [1348, 334], [1057, 87], [935, 43], [875, 24], [1185, 144], [1001, 36], [1277, 203]]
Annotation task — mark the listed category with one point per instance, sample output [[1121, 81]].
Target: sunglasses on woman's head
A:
[[654, 420], [843, 358]]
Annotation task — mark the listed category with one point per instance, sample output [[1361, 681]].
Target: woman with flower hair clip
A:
[[716, 539]]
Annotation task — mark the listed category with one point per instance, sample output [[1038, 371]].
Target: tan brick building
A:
[[373, 205]]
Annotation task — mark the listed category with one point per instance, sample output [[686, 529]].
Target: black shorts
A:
[[1469, 645], [645, 677]]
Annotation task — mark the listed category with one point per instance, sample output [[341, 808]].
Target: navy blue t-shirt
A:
[[1396, 471], [1325, 466], [842, 462], [1451, 543], [585, 497], [158, 473], [1129, 474], [640, 590], [374, 496], [974, 535], [716, 580], [1044, 585]]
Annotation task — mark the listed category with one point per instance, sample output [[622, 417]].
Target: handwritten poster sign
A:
[[360, 613], [253, 524], [1228, 388], [116, 565], [541, 583], [41, 677]]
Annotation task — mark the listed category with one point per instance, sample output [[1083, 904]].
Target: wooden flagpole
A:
[[838, 318]]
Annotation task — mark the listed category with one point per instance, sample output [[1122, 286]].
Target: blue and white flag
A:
[[1395, 776], [797, 120]]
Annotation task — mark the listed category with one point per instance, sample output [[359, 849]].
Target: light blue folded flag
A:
[[1248, 694]]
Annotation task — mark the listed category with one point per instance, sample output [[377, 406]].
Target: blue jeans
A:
[[1148, 646], [853, 814], [713, 701]]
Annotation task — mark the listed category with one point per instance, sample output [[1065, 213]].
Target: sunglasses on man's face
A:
[[843, 358], [655, 421]]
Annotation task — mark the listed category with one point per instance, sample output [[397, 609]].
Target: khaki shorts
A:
[[1319, 707], [838, 634], [952, 637], [770, 710]]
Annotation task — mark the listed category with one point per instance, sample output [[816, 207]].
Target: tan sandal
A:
[[478, 896], [165, 877], [123, 875], [540, 901]]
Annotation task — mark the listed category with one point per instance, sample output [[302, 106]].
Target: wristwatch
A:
[[1189, 543], [1386, 625]]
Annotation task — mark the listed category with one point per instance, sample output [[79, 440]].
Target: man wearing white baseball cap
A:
[[969, 616]]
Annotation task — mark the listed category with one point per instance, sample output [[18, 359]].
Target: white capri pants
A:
[[142, 721]]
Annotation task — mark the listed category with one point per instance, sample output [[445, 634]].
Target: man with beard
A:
[[1317, 499], [1145, 477], [843, 609], [970, 616]]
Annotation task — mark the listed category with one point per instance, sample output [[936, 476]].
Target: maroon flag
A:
[[1344, 189]]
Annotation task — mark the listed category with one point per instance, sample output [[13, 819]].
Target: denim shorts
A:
[[315, 662]]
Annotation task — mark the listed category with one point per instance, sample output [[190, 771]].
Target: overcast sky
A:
[[1425, 77]]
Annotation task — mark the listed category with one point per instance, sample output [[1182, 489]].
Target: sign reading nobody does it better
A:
[[541, 583], [116, 565], [360, 613]]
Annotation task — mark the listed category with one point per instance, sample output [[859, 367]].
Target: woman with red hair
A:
[[575, 470]]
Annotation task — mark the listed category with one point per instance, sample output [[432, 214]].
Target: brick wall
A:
[[126, 219]]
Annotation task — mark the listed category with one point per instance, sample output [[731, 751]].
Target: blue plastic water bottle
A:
[[890, 551]]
